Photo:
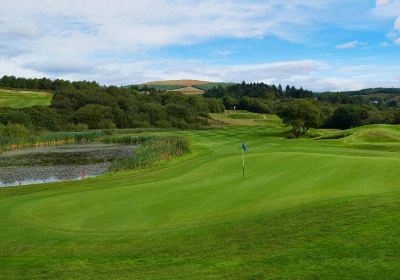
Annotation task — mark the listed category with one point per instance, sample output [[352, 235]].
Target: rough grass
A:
[[375, 133], [23, 98], [245, 116], [187, 90], [240, 118], [306, 210]]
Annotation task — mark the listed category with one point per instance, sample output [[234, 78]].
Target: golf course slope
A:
[[23, 98], [306, 209]]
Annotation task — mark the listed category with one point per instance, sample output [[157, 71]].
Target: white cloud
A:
[[92, 31], [349, 45], [83, 28], [96, 40], [316, 75], [390, 9], [397, 24], [74, 37], [383, 2], [387, 8], [127, 25]]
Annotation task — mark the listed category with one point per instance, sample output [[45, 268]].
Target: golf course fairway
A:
[[23, 98], [306, 209]]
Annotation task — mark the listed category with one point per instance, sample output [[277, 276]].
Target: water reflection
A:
[[52, 164]]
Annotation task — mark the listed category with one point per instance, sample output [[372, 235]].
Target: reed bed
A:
[[151, 150], [127, 139], [14, 136], [154, 151]]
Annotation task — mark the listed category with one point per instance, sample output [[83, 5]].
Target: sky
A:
[[317, 44]]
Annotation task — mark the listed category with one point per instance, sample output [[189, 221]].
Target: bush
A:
[[256, 105], [76, 127], [93, 115], [107, 124], [215, 105], [291, 136], [16, 116]]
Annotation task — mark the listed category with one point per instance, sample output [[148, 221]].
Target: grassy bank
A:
[[307, 209]]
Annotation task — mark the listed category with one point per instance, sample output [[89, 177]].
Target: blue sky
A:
[[318, 44]]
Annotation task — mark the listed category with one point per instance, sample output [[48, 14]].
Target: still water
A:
[[59, 163]]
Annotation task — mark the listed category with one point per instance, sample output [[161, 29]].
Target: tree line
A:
[[83, 105], [87, 105], [43, 84], [302, 109]]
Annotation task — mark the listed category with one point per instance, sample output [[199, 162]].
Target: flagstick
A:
[[243, 162]]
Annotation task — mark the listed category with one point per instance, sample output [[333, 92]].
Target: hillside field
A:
[[323, 208], [187, 90], [23, 98]]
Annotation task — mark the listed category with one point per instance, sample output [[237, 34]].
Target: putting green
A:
[[306, 209]]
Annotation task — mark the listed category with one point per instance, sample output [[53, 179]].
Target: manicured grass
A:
[[307, 209], [23, 98]]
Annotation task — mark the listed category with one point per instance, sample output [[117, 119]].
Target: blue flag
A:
[[244, 148]]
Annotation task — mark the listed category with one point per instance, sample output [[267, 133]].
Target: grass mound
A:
[[378, 134]]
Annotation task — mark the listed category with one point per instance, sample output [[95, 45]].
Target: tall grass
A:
[[127, 139], [153, 152], [14, 136], [151, 149]]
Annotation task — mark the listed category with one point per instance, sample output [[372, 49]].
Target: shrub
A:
[[93, 115], [76, 127]]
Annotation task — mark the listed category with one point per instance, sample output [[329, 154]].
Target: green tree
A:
[[230, 102], [93, 115], [348, 116], [215, 105], [300, 114]]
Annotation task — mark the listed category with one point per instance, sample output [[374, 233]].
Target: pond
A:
[[58, 163]]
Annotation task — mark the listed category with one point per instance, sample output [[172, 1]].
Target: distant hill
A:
[[388, 96], [371, 91], [184, 83], [183, 86]]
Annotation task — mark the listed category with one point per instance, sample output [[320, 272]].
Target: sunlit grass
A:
[[23, 98]]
